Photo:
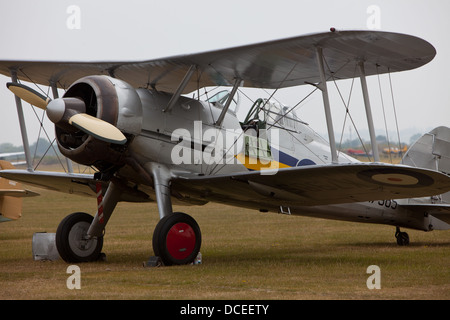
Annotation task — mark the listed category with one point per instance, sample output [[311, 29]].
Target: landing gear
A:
[[402, 237], [177, 239], [79, 237], [72, 242]]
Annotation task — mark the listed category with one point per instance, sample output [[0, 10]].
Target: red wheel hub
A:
[[180, 240]]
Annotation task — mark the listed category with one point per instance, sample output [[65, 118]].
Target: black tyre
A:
[[402, 239], [177, 239], [71, 239]]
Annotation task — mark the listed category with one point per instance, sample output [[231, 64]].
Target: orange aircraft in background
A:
[[11, 195]]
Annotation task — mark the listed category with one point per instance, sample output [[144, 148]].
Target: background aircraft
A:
[[17, 155], [150, 143], [357, 152], [11, 194]]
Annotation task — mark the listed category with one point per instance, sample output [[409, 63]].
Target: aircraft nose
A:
[[56, 109], [62, 109]]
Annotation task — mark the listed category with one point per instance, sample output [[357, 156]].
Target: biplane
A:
[[149, 141]]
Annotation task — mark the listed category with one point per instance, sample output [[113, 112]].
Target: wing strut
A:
[[228, 103], [373, 140], [23, 129], [181, 88], [326, 104]]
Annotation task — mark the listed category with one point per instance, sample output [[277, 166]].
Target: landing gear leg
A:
[[72, 242], [177, 237], [79, 237], [402, 237]]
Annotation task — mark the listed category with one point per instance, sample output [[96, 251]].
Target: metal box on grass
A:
[[44, 246]]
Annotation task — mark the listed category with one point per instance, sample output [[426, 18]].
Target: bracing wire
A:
[[384, 116], [347, 109], [261, 108], [42, 128], [395, 113]]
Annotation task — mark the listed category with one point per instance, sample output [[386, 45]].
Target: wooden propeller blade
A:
[[99, 129], [29, 95]]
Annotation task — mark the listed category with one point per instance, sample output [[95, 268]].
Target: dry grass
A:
[[246, 255]]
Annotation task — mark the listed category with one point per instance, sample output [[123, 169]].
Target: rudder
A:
[[432, 151]]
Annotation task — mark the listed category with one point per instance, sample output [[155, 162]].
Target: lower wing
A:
[[305, 186], [81, 184], [320, 184]]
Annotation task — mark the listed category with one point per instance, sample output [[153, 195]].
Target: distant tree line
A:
[[381, 140], [38, 149]]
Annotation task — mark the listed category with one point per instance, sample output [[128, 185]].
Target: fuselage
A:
[[187, 140]]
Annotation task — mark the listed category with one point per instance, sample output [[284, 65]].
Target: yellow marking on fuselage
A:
[[258, 164]]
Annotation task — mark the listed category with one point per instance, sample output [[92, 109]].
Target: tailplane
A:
[[431, 151], [11, 195]]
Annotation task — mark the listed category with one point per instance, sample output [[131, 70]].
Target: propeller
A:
[[70, 111]]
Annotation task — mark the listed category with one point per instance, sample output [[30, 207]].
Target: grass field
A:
[[246, 255]]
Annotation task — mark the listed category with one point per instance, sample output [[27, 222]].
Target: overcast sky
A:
[[141, 30]]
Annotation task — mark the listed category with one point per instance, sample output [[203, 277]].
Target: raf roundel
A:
[[396, 177]]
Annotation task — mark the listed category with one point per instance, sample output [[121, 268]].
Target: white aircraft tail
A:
[[432, 151]]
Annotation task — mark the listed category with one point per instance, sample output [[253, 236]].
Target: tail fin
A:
[[11, 195], [432, 151]]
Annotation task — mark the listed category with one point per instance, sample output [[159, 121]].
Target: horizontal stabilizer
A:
[[440, 211]]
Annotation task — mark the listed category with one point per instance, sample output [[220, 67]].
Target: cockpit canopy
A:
[[267, 112], [220, 99]]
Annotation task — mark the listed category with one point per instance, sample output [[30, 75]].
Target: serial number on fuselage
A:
[[392, 204]]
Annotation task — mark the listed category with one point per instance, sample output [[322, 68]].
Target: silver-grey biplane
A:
[[150, 142]]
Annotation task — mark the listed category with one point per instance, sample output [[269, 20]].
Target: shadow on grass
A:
[[394, 245]]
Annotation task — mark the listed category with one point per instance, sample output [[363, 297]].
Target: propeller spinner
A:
[[70, 111]]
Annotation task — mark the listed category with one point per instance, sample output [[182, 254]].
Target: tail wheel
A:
[[402, 237], [71, 240], [177, 239]]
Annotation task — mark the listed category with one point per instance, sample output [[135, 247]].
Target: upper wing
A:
[[273, 64], [319, 185]]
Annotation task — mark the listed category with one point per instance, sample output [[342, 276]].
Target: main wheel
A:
[[402, 238], [177, 239], [71, 240]]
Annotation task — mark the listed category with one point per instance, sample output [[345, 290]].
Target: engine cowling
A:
[[110, 100]]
